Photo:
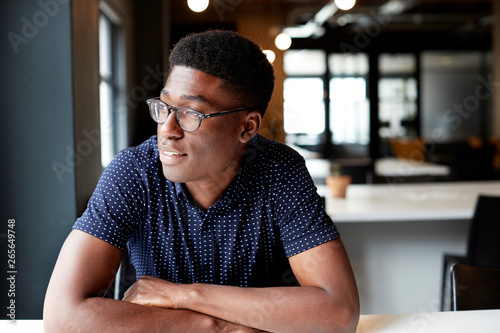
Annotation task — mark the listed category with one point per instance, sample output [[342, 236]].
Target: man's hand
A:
[[152, 291], [326, 301]]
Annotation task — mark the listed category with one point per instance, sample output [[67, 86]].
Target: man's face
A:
[[211, 153]]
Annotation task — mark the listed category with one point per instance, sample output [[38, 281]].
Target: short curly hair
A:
[[239, 62]]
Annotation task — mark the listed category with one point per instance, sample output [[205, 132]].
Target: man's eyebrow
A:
[[196, 98]]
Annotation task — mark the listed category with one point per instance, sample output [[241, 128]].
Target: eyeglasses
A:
[[188, 119]]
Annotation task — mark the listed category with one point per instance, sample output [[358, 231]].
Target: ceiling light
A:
[[197, 5], [283, 41], [304, 31], [270, 55], [345, 4]]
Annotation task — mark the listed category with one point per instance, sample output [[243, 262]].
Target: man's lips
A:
[[169, 155], [170, 150]]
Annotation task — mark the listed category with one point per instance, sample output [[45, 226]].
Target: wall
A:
[[399, 265], [150, 70], [262, 30], [496, 70], [85, 56], [455, 95], [37, 134]]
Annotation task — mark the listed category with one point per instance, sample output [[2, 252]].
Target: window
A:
[[303, 94], [305, 106], [325, 99], [397, 95], [113, 111], [337, 122], [349, 106], [305, 62]]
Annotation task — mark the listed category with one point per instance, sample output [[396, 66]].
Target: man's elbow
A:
[[346, 318], [350, 320], [52, 321], [53, 324], [340, 317], [58, 316]]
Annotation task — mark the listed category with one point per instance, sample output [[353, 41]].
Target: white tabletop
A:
[[21, 326], [408, 202], [400, 167], [384, 167], [485, 321]]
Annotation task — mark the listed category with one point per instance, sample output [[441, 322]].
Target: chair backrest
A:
[[411, 149], [475, 288], [484, 243]]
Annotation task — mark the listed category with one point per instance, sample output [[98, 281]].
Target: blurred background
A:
[[350, 85]]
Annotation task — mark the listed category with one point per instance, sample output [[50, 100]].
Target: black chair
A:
[[474, 163], [474, 288], [484, 245], [124, 278]]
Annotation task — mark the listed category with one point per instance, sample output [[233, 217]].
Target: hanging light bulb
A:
[[197, 5], [270, 55], [283, 41], [345, 4]]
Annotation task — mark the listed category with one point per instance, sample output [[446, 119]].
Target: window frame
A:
[[113, 122]]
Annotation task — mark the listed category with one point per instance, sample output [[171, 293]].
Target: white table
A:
[[21, 326], [396, 236], [392, 168], [407, 202], [484, 321], [400, 167]]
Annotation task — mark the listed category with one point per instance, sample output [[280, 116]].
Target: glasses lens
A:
[[188, 119], [158, 110]]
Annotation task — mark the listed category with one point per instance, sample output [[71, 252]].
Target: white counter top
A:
[[484, 321], [408, 202], [21, 326], [400, 167], [384, 167]]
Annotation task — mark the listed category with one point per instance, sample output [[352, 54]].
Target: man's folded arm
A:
[[85, 269], [326, 301]]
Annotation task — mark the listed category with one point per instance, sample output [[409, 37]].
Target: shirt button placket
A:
[[208, 251]]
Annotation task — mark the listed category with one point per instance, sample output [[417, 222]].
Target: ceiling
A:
[[418, 14], [426, 17]]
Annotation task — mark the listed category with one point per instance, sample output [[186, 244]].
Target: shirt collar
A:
[[180, 189]]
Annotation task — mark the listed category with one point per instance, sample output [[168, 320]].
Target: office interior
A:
[[76, 75]]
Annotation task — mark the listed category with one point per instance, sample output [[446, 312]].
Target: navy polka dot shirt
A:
[[269, 212]]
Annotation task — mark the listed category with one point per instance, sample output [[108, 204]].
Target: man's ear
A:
[[252, 122]]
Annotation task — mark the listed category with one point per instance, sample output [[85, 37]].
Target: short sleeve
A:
[[303, 221], [116, 204]]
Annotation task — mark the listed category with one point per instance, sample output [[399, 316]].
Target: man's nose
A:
[[170, 129]]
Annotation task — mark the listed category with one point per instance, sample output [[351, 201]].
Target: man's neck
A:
[[205, 194]]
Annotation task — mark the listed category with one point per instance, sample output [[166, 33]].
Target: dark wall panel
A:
[[37, 181]]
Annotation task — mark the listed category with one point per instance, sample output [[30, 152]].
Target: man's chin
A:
[[175, 176], [171, 176]]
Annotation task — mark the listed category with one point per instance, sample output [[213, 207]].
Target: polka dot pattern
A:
[[270, 211]]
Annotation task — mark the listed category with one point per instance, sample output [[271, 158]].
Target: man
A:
[[215, 217]]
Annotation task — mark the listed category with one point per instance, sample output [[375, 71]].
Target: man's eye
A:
[[192, 113]]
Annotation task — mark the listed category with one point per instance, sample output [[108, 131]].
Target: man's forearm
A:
[[281, 309], [273, 309], [106, 315], [326, 301]]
